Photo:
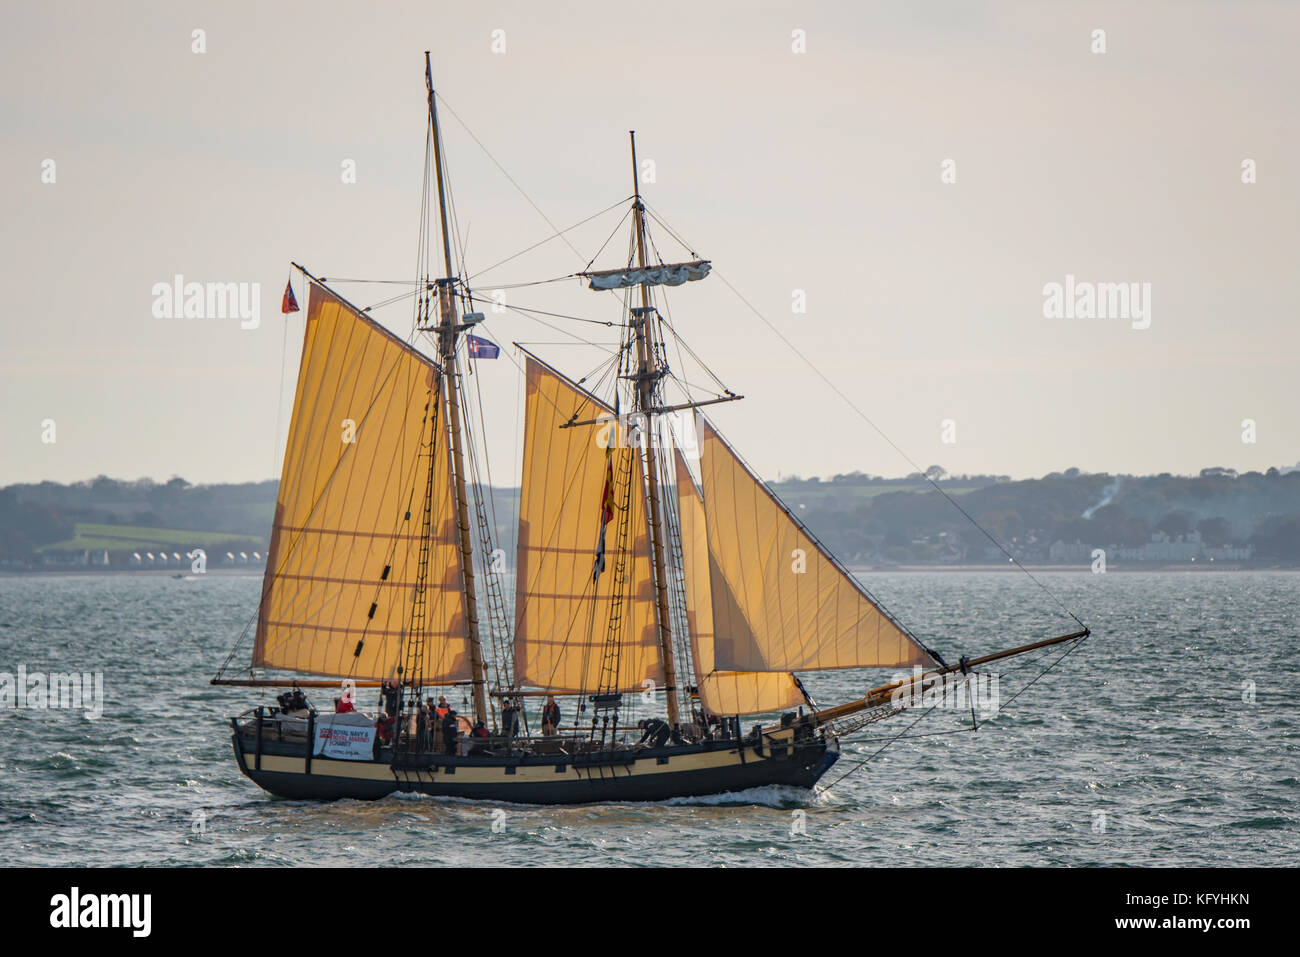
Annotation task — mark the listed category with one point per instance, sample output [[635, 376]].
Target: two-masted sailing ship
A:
[[663, 597]]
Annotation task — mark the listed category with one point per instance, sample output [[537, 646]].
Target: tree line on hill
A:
[[1258, 511], [858, 517]]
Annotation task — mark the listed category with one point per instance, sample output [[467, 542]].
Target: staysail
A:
[[345, 546], [562, 615], [721, 692], [781, 603]]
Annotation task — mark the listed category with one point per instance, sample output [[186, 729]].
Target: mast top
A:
[[437, 162], [636, 180]]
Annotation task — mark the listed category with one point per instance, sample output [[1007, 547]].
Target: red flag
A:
[[288, 303], [606, 515], [606, 497]]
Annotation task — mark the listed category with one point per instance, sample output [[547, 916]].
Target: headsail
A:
[[349, 512], [721, 692], [780, 603], [561, 615]]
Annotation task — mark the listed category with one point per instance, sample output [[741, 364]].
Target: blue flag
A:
[[482, 348]]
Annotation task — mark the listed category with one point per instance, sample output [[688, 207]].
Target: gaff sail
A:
[[721, 692], [562, 615], [780, 602], [342, 565]]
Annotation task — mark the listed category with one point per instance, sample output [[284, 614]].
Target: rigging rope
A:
[[865, 418], [862, 415], [488, 154], [1073, 646]]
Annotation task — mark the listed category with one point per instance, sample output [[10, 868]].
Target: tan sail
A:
[[351, 502], [780, 603], [562, 618], [721, 692]]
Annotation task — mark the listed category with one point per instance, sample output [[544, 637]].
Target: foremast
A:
[[647, 379], [449, 329]]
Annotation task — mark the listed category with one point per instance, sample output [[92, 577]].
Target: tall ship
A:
[[665, 601]]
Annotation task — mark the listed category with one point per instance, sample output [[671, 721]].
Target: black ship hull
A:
[[650, 774]]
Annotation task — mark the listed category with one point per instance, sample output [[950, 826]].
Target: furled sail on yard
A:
[[721, 692], [780, 603], [563, 616], [350, 510], [668, 274]]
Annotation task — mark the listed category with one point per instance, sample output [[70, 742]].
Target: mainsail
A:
[[780, 602], [562, 615], [345, 546], [721, 692]]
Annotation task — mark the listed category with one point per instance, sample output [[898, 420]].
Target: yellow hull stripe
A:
[[524, 773]]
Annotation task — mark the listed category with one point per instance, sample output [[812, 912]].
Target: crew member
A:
[[449, 732], [550, 716], [655, 728], [509, 718]]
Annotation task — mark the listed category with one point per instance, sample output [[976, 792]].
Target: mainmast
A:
[[448, 331], [647, 378]]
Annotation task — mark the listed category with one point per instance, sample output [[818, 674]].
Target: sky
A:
[[918, 174]]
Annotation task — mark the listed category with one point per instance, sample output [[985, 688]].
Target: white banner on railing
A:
[[349, 740]]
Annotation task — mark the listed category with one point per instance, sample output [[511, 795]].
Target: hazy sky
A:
[[818, 171]]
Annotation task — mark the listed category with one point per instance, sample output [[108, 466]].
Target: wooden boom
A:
[[878, 696], [316, 683]]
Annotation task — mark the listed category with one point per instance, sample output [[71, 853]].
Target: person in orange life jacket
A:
[[434, 723], [550, 715], [442, 709]]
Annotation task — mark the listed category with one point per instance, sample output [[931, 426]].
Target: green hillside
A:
[[93, 537]]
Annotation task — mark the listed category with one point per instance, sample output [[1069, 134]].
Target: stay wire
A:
[[862, 415], [1074, 646], [865, 418]]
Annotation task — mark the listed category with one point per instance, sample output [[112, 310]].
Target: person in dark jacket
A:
[[392, 698], [656, 729], [509, 719], [550, 716], [449, 732]]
